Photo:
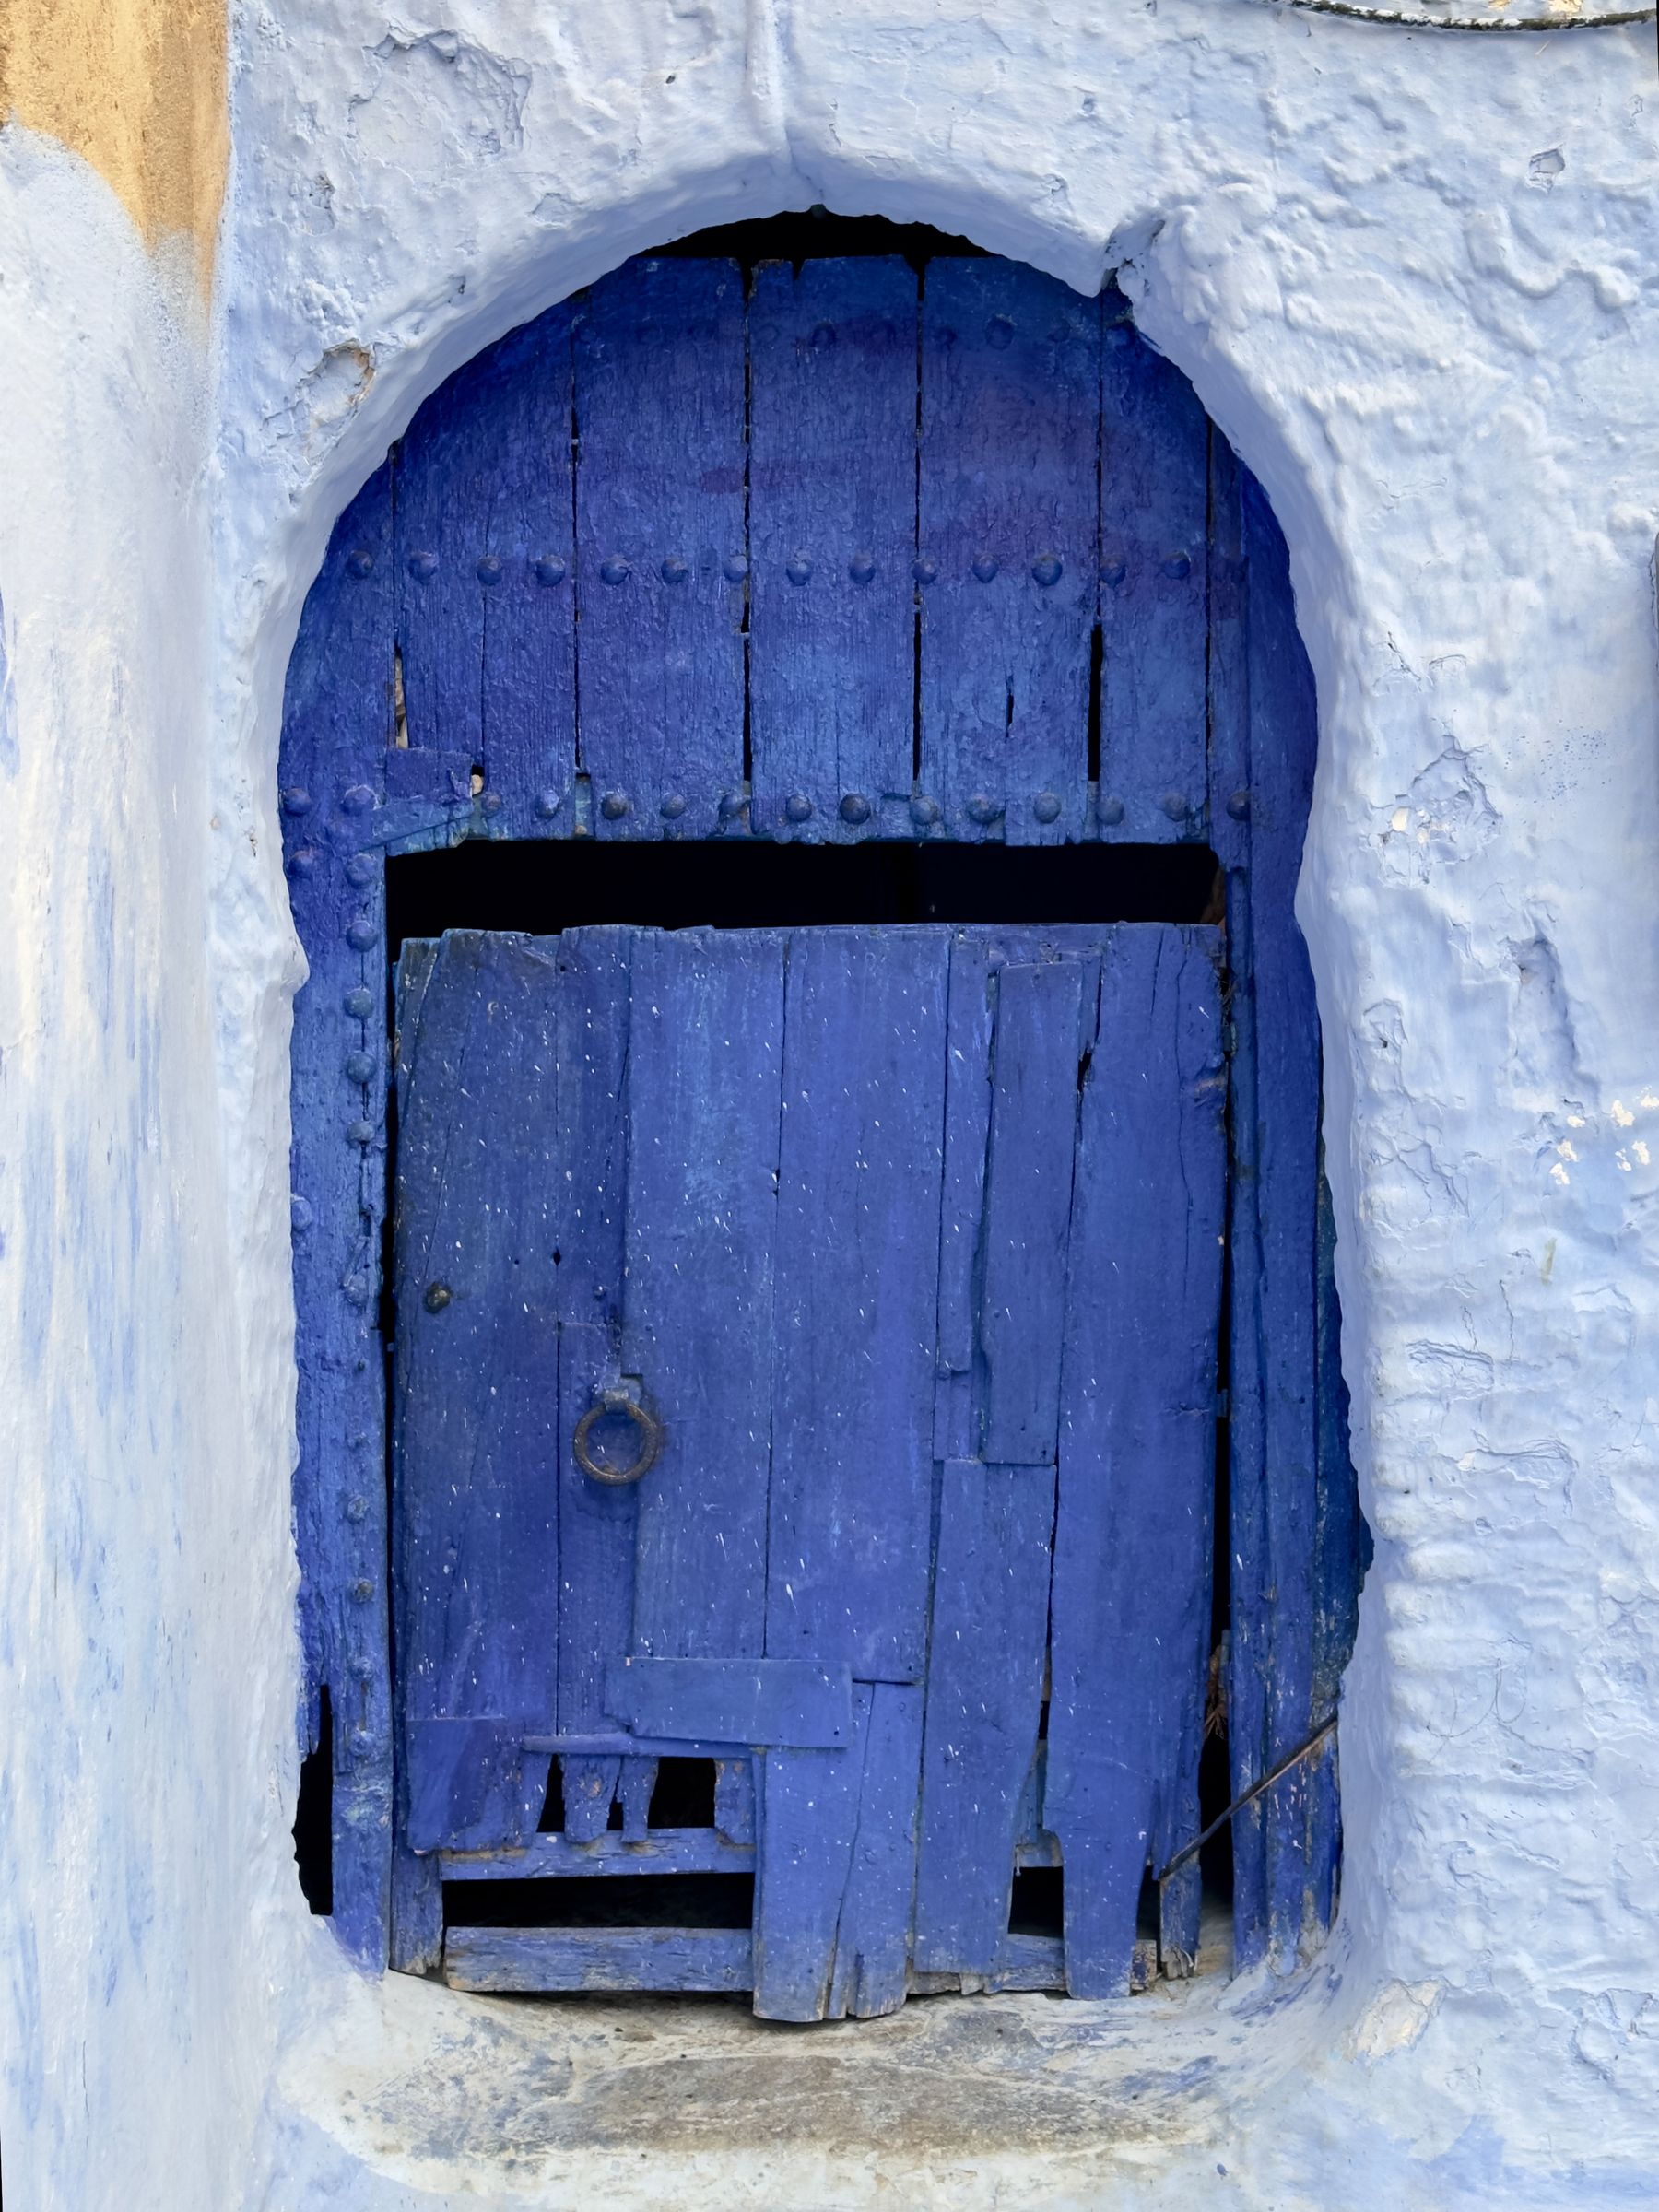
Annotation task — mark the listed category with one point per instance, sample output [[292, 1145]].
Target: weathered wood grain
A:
[[1007, 547], [662, 556], [1131, 1539], [832, 530], [527, 1959]]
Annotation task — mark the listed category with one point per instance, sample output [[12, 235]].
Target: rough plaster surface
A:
[[1413, 277]]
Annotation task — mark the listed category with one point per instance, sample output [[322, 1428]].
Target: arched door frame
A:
[[349, 801]]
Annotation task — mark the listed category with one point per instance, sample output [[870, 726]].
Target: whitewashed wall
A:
[[1415, 277]]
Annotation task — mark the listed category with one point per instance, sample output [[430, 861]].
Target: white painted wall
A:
[[1414, 277]]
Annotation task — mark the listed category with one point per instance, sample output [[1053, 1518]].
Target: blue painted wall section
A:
[[825, 562]]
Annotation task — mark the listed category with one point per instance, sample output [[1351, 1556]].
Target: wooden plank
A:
[[856, 1299], [527, 1959], [984, 1705], [524, 574], [662, 1851], [1154, 441], [447, 466], [808, 1818], [1286, 1842], [477, 1436], [873, 1939], [832, 525], [337, 723], [597, 1520], [705, 1064], [757, 1701], [662, 555], [1035, 1078], [1007, 535], [1132, 1544]]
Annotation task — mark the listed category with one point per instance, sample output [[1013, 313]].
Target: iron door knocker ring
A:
[[650, 1438]]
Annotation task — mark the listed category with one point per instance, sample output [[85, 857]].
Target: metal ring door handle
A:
[[650, 1438]]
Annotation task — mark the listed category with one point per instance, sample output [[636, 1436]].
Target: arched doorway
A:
[[909, 590]]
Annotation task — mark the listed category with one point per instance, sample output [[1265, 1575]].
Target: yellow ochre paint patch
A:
[[137, 88]]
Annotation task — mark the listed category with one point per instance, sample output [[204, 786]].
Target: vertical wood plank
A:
[[1035, 1078], [858, 1209], [873, 1939], [476, 1434], [662, 551], [1131, 1542], [832, 526], [1153, 442], [337, 724], [1007, 547], [523, 574], [1286, 1842], [596, 1521], [705, 1067], [447, 467], [984, 1704]]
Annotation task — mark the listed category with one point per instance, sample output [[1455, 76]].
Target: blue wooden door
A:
[[805, 1364]]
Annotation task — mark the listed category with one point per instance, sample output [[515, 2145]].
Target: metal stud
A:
[[491, 802], [546, 805], [999, 333], [924, 569], [359, 1067], [797, 808], [1239, 805], [823, 337], [437, 1296], [799, 568], [673, 805], [295, 799], [1047, 569], [613, 569], [359, 1133], [854, 807], [675, 570], [1111, 812], [303, 862], [1046, 806], [489, 569], [1175, 807], [615, 805], [924, 812], [358, 562], [984, 567], [983, 809], [734, 568], [423, 567], [362, 1590], [1113, 569], [359, 1002], [360, 870], [358, 1289], [357, 798], [550, 569], [361, 933], [861, 567], [1178, 565], [299, 1214], [356, 1508]]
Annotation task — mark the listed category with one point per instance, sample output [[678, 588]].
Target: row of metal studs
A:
[[551, 569], [854, 809]]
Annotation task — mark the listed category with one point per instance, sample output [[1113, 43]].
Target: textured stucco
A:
[[1413, 278], [136, 88]]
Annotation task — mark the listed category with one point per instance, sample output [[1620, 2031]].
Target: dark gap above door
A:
[[543, 888], [808, 233]]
